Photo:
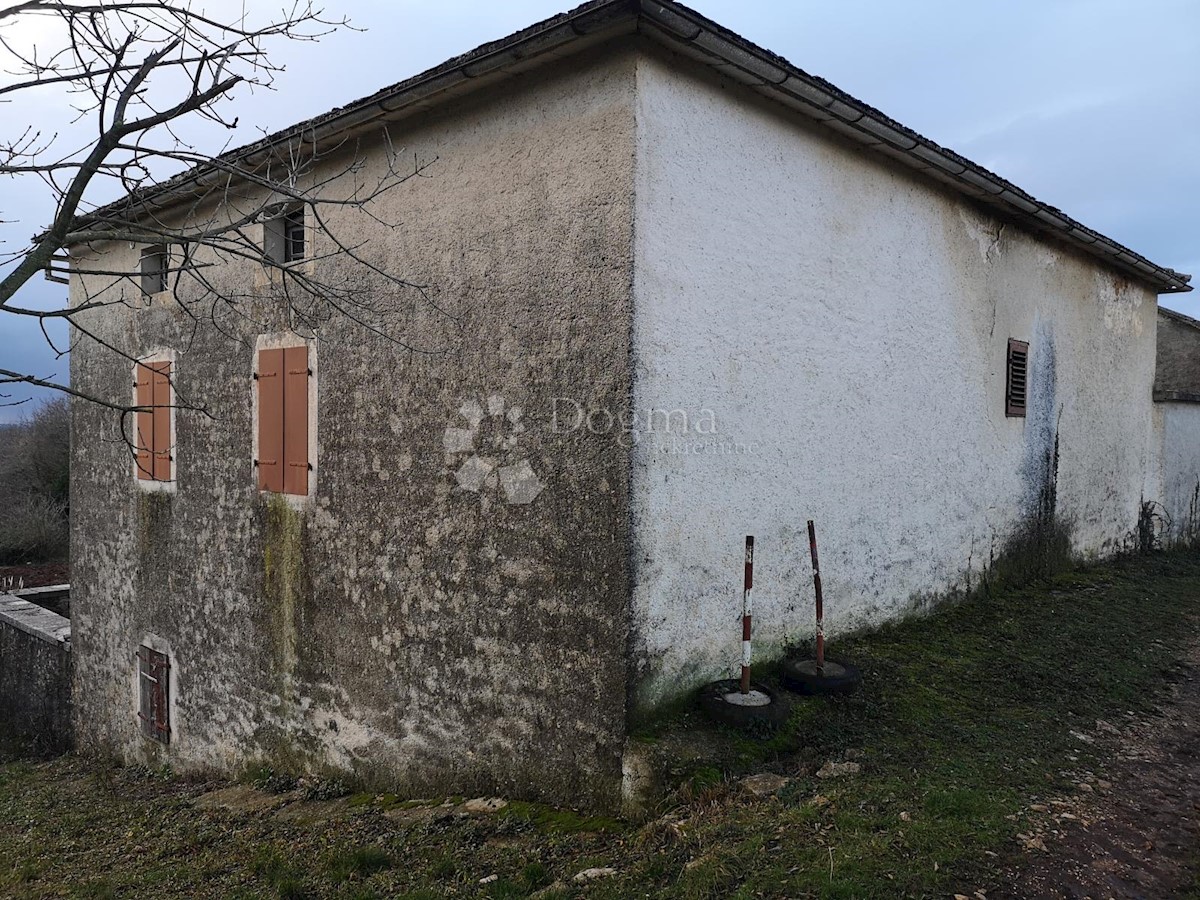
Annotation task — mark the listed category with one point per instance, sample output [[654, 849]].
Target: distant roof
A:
[[691, 34], [1179, 317]]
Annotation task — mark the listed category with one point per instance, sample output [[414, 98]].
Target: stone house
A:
[[680, 292]]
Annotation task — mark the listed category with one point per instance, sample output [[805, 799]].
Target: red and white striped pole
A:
[[746, 611], [812, 546]]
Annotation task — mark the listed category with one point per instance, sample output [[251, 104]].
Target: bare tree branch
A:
[[134, 70]]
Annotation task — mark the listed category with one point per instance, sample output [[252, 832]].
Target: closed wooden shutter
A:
[[154, 687], [270, 420], [162, 420], [144, 440], [295, 420]]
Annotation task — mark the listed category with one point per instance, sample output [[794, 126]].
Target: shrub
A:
[[34, 485]]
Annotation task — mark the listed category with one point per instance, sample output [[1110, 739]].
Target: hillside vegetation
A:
[[34, 483]]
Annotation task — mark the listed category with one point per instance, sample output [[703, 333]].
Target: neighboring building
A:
[[685, 292], [1177, 423]]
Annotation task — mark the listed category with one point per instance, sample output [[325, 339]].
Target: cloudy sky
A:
[[1084, 103]]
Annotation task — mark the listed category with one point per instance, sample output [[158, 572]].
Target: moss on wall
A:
[[285, 584], [153, 521], [1040, 546]]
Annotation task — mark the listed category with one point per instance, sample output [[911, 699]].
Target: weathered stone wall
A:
[[1177, 368], [846, 325], [393, 625], [35, 677]]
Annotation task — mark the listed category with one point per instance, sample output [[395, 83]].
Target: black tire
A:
[[839, 677], [715, 705]]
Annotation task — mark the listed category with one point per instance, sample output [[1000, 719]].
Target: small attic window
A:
[[153, 269], [284, 239], [293, 235], [1017, 381]]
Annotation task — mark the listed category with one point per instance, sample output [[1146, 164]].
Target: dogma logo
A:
[[490, 440]]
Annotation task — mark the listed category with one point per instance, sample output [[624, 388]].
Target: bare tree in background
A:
[[34, 474], [136, 70]]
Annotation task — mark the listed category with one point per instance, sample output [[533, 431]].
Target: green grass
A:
[[280, 873], [549, 820], [362, 862], [964, 718]]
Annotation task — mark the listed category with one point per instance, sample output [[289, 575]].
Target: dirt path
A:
[[1133, 828]]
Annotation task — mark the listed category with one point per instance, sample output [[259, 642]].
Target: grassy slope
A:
[[965, 717]]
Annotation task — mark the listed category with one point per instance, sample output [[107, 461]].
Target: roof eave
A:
[[684, 29], [772, 75]]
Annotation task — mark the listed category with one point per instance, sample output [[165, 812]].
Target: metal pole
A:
[[812, 546], [746, 610]]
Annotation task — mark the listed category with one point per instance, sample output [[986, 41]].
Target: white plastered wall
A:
[[1178, 427], [846, 323]]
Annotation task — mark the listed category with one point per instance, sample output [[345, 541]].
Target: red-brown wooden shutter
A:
[[162, 420], [295, 420], [160, 671], [144, 440], [270, 420], [154, 680]]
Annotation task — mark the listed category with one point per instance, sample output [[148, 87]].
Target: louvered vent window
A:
[[154, 678], [1018, 377]]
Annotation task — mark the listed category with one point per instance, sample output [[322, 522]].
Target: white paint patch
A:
[[1122, 305], [472, 412], [517, 479], [985, 232], [520, 483], [473, 473]]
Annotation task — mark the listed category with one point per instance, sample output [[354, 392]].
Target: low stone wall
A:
[[35, 677]]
